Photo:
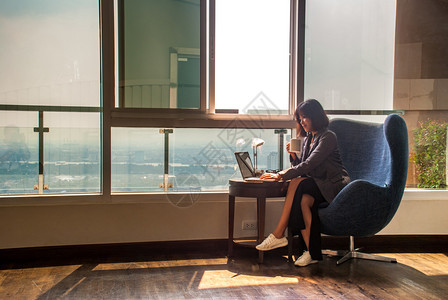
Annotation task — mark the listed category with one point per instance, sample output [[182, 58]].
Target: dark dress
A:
[[296, 223], [325, 176]]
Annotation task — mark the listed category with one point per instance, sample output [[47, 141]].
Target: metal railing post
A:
[[41, 130], [166, 185]]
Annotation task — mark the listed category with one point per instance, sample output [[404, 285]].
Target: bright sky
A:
[[252, 52]]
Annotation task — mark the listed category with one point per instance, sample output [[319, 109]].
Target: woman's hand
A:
[[288, 148], [270, 176]]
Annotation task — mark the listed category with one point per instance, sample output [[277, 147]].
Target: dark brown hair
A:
[[313, 110]]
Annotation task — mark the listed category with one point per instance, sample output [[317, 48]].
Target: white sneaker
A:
[[271, 242], [305, 260]]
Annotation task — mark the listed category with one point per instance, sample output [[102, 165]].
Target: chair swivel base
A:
[[355, 253], [361, 255]]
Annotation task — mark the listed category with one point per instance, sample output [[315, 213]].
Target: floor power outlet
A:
[[249, 225]]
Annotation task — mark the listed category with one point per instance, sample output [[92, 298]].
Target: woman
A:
[[316, 177]]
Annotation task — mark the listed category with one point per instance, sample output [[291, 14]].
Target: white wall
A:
[[33, 226]]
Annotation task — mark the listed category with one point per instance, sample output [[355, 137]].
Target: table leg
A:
[[290, 245], [231, 224], [261, 213]]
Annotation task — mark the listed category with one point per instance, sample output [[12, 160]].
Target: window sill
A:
[[116, 198], [410, 194], [425, 194]]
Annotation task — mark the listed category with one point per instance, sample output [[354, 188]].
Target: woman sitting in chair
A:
[[316, 176]]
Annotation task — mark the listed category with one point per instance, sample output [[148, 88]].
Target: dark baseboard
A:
[[200, 249], [392, 243], [109, 253]]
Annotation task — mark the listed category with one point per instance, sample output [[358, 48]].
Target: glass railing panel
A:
[[137, 159], [72, 152], [19, 162], [188, 159], [204, 160]]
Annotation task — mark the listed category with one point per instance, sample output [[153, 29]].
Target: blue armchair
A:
[[376, 158]]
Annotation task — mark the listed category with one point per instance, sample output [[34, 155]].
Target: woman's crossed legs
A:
[[277, 238]]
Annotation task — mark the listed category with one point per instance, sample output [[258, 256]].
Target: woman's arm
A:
[[326, 145]]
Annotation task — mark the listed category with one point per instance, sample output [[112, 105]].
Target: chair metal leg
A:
[[354, 253], [361, 255], [348, 256]]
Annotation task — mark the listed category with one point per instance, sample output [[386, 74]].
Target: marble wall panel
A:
[[442, 94], [423, 94], [401, 94], [408, 60]]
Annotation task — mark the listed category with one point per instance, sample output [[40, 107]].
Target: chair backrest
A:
[[376, 157], [374, 152], [364, 150]]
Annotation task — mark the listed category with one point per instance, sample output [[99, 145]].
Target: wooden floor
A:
[[196, 274]]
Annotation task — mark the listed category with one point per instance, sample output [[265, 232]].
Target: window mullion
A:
[[107, 89], [203, 56], [211, 56], [293, 57], [300, 51]]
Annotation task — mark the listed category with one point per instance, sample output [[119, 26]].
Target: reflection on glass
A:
[[159, 54], [18, 153], [72, 153], [349, 53], [252, 56]]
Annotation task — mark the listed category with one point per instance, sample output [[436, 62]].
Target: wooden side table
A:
[[260, 191]]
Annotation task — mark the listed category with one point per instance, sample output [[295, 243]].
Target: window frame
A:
[[205, 116], [181, 118]]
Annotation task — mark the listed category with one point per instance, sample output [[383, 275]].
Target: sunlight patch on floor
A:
[[224, 279], [161, 264], [430, 264], [40, 279]]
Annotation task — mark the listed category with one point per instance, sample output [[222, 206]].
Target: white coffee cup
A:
[[295, 145]]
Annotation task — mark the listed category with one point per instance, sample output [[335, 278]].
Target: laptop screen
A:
[[245, 164]]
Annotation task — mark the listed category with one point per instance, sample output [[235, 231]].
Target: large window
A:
[[49, 97], [179, 86]]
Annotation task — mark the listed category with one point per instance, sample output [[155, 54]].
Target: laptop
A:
[[246, 168]]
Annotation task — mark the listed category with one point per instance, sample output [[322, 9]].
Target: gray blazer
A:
[[322, 162]]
